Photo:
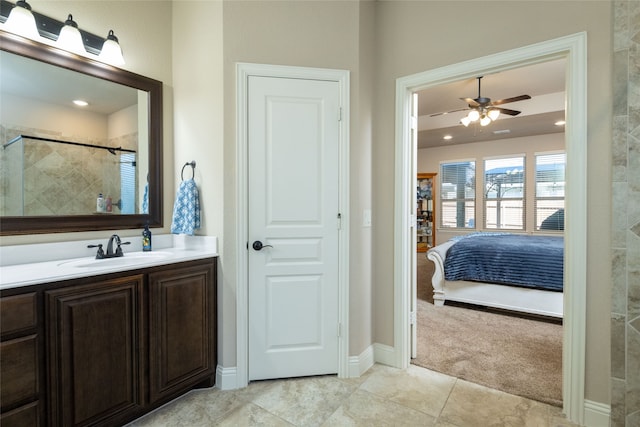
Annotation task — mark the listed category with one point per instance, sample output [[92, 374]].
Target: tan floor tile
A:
[[415, 387], [304, 401], [366, 409], [196, 408], [251, 415], [472, 405]]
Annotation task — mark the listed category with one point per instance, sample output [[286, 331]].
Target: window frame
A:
[[536, 198], [500, 200], [466, 201]]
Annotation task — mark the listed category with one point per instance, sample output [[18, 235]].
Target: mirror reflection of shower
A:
[[58, 177]]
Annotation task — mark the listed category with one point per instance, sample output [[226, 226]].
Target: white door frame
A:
[[574, 49], [243, 71]]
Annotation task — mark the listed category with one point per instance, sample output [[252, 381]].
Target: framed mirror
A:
[[58, 158]]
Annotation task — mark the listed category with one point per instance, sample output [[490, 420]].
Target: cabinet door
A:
[[181, 329], [94, 333]]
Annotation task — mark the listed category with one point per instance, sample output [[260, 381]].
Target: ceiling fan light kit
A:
[[486, 111]]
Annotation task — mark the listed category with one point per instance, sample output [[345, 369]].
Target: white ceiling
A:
[[23, 77], [544, 82]]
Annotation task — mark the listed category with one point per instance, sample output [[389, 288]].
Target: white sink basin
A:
[[126, 259]]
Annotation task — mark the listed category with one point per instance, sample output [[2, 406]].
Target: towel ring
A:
[[192, 163]]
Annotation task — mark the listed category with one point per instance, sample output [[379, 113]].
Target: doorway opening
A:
[[504, 174], [573, 48]]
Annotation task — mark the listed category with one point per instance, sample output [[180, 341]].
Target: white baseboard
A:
[[358, 365], [596, 414], [226, 378], [384, 354]]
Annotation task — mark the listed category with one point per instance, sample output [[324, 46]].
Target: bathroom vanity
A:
[[109, 344]]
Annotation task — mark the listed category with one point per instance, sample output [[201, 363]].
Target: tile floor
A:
[[383, 396]]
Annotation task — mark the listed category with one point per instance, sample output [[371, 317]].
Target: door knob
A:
[[257, 245]]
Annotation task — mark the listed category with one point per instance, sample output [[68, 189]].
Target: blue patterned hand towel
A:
[[186, 209]]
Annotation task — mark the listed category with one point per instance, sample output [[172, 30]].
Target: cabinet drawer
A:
[[18, 370], [17, 313], [27, 415]]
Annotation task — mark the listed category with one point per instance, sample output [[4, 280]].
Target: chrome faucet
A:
[[110, 252]]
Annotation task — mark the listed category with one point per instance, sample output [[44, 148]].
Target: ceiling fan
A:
[[485, 110]]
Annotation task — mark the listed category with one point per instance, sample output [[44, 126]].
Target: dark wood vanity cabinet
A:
[[105, 350], [94, 336]]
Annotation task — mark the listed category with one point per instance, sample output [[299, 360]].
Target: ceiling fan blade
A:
[[507, 111], [447, 112], [472, 102], [508, 100]]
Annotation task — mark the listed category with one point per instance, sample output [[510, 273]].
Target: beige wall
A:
[[199, 123], [416, 36], [311, 34], [194, 51]]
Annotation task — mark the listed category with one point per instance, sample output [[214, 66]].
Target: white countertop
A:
[[25, 265]]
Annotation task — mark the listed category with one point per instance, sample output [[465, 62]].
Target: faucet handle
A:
[[100, 252], [119, 249]]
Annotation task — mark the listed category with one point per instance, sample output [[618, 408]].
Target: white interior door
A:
[[294, 220]]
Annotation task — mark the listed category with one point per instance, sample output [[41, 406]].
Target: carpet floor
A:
[[517, 355]]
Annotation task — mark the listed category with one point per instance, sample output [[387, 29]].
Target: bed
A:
[[514, 272]]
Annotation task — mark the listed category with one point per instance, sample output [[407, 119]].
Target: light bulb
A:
[[465, 121], [70, 38], [111, 52], [485, 120], [22, 22], [494, 114], [473, 115]]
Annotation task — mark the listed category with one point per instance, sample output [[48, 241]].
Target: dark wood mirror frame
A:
[[14, 225]]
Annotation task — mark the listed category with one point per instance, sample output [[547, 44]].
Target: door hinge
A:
[[340, 114], [412, 221], [412, 318], [339, 221]]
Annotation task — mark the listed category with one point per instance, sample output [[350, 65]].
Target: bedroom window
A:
[[549, 199], [504, 193], [457, 194]]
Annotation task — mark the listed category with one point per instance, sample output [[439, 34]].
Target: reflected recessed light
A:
[[447, 137], [501, 131], [80, 102], [560, 123]]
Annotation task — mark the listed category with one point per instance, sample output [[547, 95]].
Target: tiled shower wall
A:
[[55, 178], [625, 310]]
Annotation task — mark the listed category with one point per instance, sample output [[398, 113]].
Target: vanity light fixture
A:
[[20, 19], [70, 38]]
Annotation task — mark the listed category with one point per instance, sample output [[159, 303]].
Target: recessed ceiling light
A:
[[501, 131], [447, 137], [560, 123], [80, 102]]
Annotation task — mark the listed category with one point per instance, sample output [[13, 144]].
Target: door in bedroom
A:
[[293, 203]]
